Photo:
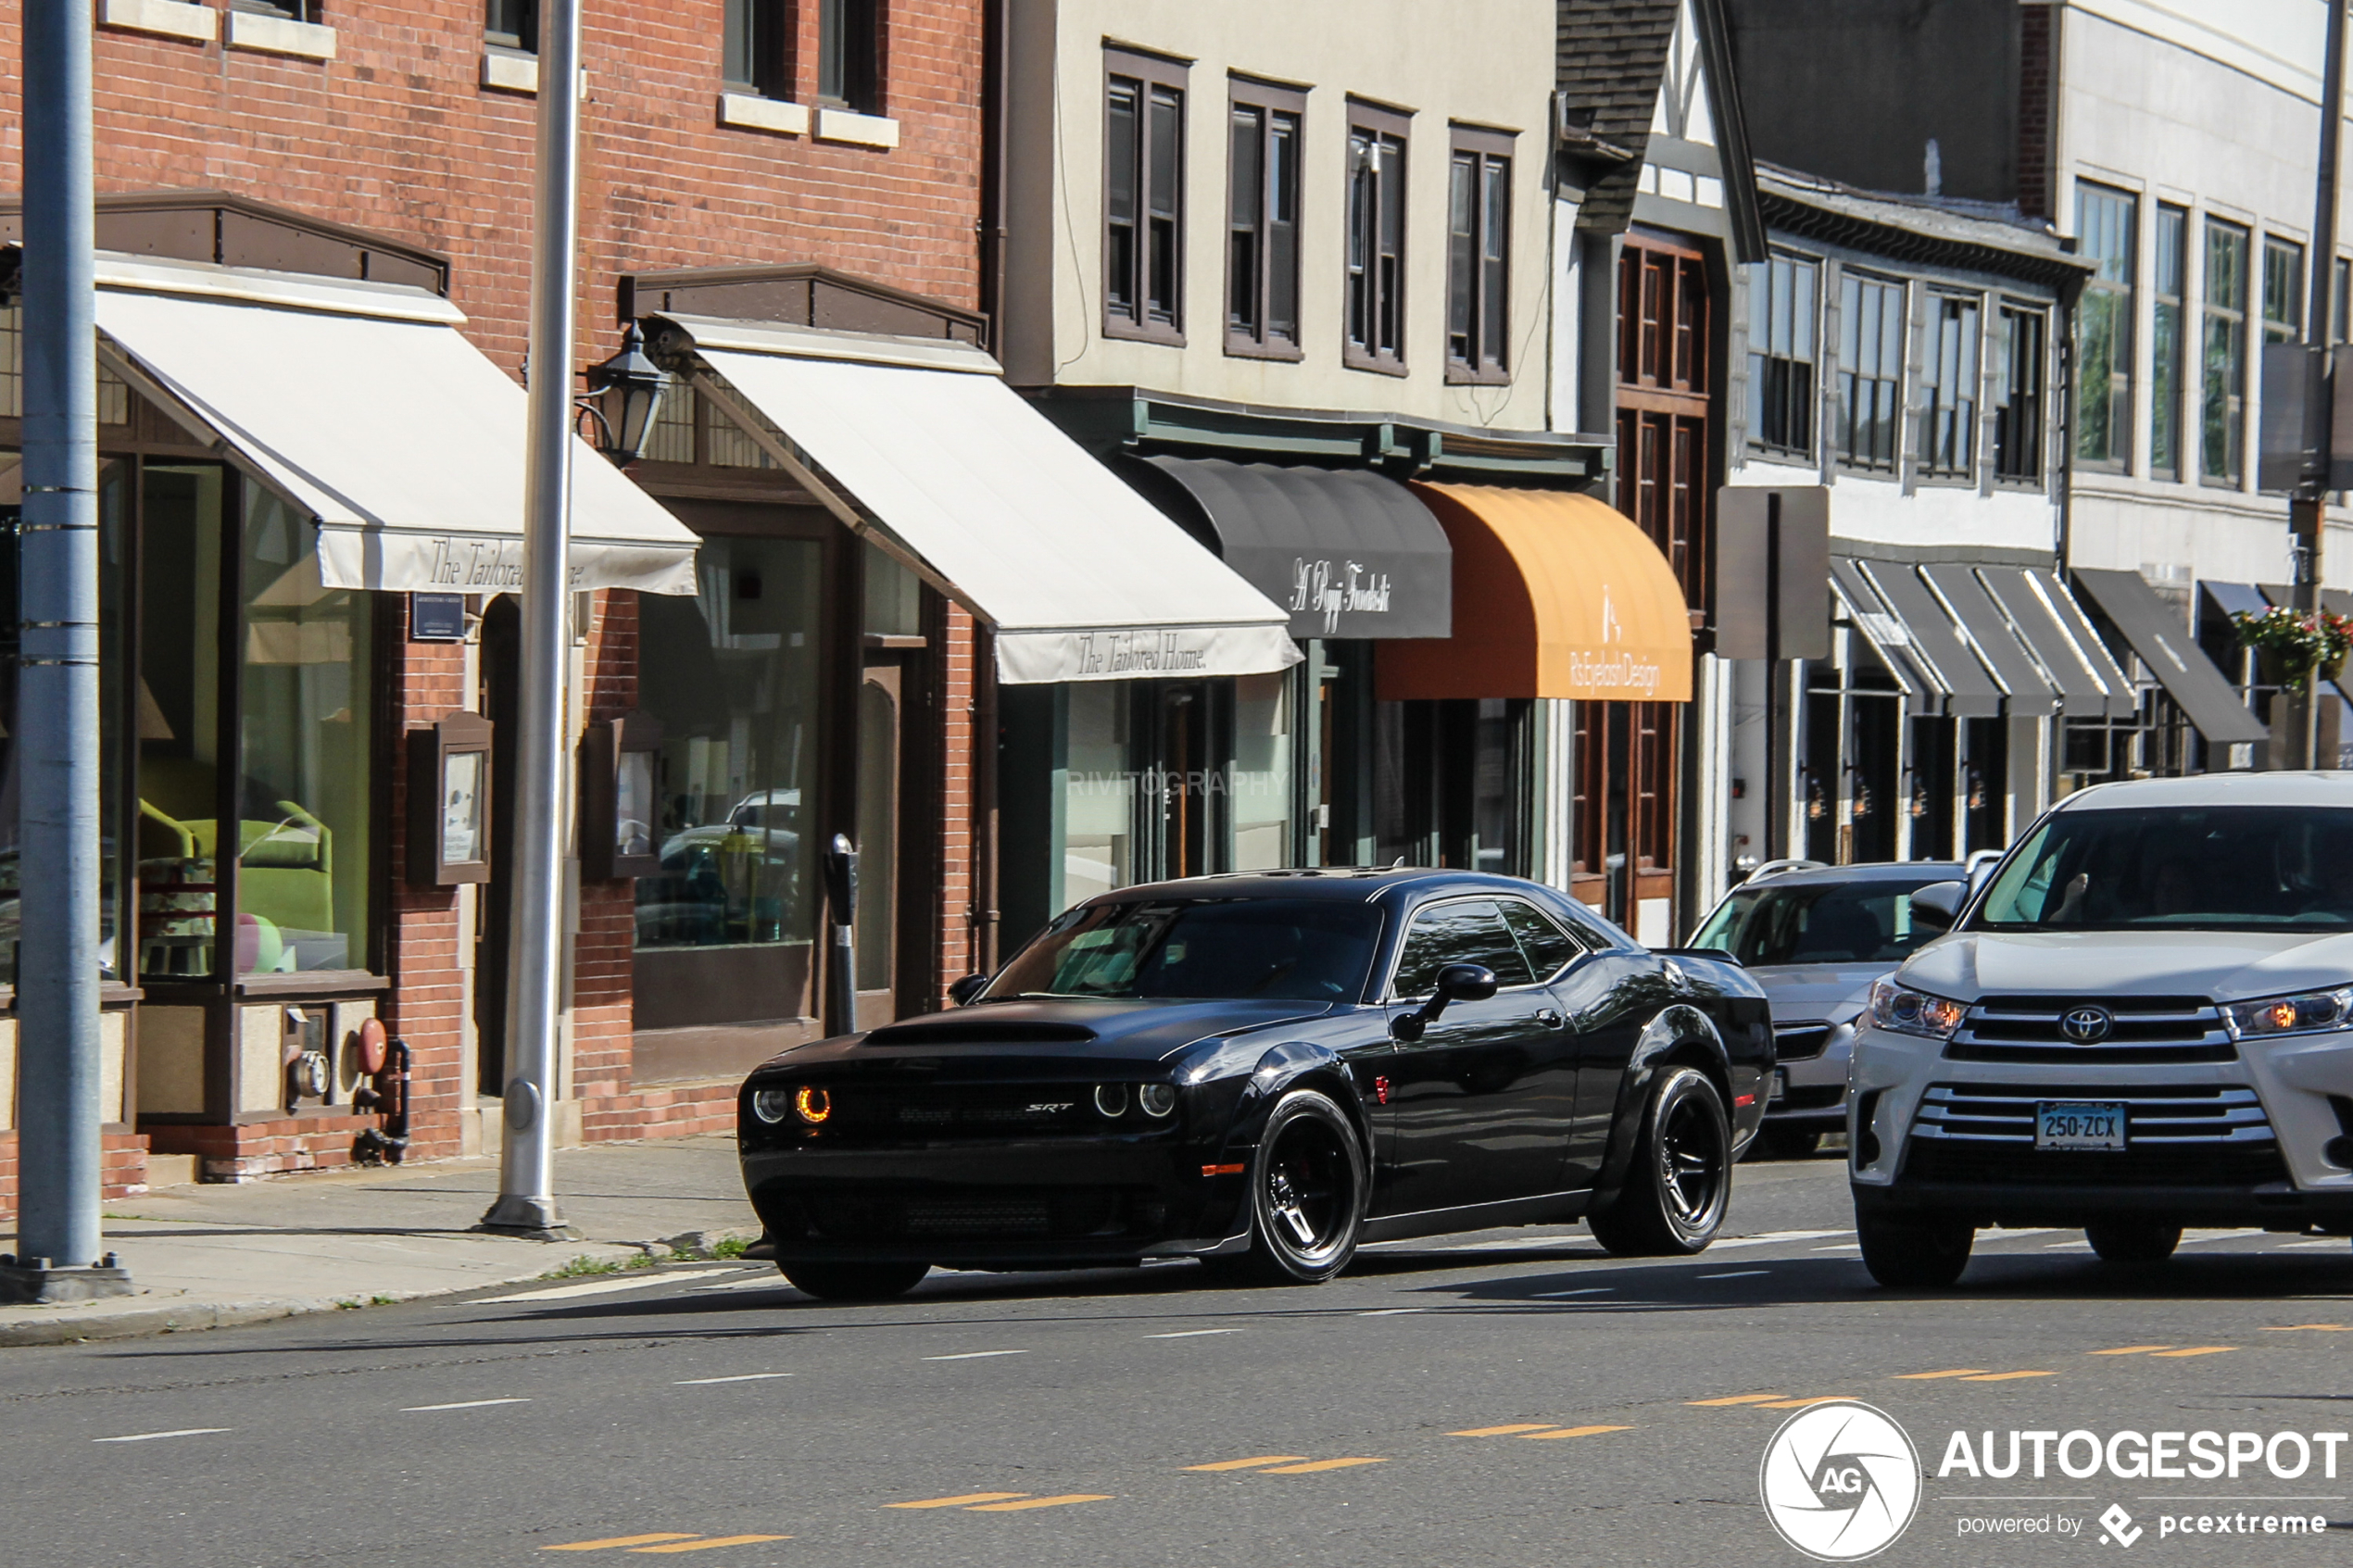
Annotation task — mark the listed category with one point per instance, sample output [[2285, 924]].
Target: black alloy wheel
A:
[[854, 1282], [1927, 1254], [1681, 1180], [2142, 1242], [1307, 1193]]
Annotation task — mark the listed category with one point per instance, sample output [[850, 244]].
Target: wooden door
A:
[[882, 748]]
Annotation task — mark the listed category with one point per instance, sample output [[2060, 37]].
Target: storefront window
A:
[[732, 673], [1099, 824], [1262, 787], [179, 718], [304, 839]]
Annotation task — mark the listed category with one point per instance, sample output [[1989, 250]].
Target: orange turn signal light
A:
[[1223, 1170], [812, 1105]]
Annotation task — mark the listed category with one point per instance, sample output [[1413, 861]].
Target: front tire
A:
[[854, 1282], [2133, 1242], [1915, 1255], [1307, 1194], [1680, 1181]]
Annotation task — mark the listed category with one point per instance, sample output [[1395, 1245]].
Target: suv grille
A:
[[2194, 1135], [2144, 1030], [1799, 1042]]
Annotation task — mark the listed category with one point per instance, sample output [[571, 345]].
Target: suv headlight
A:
[[2309, 1013], [1903, 1011]]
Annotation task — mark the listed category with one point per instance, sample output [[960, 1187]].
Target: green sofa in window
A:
[[286, 869]]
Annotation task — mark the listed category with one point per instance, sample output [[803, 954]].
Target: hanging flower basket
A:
[[2290, 649]]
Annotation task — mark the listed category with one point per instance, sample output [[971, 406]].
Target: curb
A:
[[188, 1316]]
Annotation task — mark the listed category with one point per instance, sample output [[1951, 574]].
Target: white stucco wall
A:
[[1867, 510], [1487, 62]]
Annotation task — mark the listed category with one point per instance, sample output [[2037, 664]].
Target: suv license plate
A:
[[2079, 1124]]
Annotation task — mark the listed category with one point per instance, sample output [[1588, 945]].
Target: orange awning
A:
[[1555, 595]]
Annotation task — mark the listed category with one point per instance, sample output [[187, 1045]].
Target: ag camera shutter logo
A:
[[1839, 1481]]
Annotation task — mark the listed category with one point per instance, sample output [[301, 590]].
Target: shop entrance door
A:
[[882, 750], [1183, 746], [500, 697], [1624, 826]]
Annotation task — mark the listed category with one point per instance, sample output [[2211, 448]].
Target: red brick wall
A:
[[122, 1168], [957, 919], [426, 1005], [600, 997], [2037, 27]]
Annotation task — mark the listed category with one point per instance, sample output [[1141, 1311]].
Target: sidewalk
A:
[[209, 1257]]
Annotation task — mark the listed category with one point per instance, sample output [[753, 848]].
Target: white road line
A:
[[1392, 1311], [758, 1282], [1842, 1246], [1191, 1332], [151, 1436], [739, 1377], [1771, 1237], [1589, 1290], [976, 1355], [2335, 1241], [2019, 1235], [585, 1287], [460, 1405], [1743, 1273]]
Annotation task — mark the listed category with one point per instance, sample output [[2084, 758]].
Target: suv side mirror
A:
[[1456, 983], [1938, 905], [964, 991]]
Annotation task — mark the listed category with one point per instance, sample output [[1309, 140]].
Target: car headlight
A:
[[1111, 1099], [2309, 1013], [811, 1105], [1903, 1011], [770, 1105], [1158, 1100]]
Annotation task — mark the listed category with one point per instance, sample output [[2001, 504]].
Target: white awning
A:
[[1081, 578], [364, 404]]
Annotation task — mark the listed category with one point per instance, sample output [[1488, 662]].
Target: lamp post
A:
[[623, 393]]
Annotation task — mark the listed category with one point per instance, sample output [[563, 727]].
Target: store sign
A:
[[1328, 590], [1144, 653], [1358, 593]]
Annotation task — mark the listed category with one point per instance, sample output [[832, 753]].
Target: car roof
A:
[[2217, 789], [1349, 884], [1879, 871]]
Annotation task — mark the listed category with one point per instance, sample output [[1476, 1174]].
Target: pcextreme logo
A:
[[1839, 1481]]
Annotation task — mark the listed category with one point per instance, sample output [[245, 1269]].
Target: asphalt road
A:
[[1503, 1398]]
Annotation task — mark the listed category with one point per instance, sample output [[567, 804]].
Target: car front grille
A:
[[888, 1113], [1800, 1042], [2192, 1134], [983, 1215], [2145, 1029]]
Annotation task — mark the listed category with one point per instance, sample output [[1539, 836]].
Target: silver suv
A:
[[2144, 1020]]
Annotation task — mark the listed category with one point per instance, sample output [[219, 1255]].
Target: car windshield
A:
[[2210, 868], [1818, 923], [1292, 949]]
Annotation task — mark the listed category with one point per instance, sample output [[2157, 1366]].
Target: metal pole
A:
[[58, 1087], [526, 1199], [2308, 513]]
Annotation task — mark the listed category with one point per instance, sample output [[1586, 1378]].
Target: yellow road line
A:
[[2199, 1351], [966, 1501], [1504, 1431], [620, 1540], [1573, 1432], [1320, 1464], [2126, 1350], [1809, 1399], [1041, 1502], [2006, 1376], [1249, 1463], [1738, 1399], [1956, 1372], [2293, 1327], [706, 1545]]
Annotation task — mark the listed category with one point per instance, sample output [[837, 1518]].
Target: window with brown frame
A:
[[1376, 255], [850, 54], [1143, 196], [754, 55], [1261, 221], [1478, 237]]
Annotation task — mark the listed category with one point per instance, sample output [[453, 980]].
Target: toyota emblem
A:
[[2086, 1025]]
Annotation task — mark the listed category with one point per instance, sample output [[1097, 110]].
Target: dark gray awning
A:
[[1348, 553], [2031, 693], [1971, 693], [2090, 685], [2164, 644], [1924, 693]]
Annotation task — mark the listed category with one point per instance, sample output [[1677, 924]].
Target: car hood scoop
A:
[[958, 1028], [1131, 1030]]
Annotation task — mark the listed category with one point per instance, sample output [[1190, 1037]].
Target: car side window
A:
[[1549, 949], [1466, 931]]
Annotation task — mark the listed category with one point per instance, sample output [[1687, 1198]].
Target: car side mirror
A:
[[967, 990], [1938, 905], [1456, 983]]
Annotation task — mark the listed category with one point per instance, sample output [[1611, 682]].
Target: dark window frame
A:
[[2223, 325], [2169, 341], [1950, 395], [852, 55], [512, 24], [1153, 82], [1853, 289], [2110, 298], [1376, 254], [1478, 307], [1262, 118], [2021, 410], [756, 48], [1784, 353]]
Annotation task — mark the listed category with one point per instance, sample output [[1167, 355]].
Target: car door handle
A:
[[1548, 1018]]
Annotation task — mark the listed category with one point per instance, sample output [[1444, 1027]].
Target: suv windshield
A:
[[1818, 922], [2215, 868], [1293, 949]]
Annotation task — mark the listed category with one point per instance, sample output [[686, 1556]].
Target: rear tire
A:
[[1681, 1179], [1306, 1195], [854, 1282], [1915, 1255], [2133, 1242]]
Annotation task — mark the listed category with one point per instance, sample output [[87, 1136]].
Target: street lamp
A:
[[623, 393]]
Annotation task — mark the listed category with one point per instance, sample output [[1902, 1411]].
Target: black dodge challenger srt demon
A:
[[1262, 1070]]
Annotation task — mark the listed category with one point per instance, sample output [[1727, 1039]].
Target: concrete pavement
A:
[[210, 1257]]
